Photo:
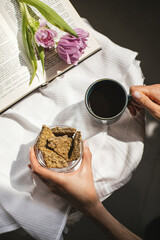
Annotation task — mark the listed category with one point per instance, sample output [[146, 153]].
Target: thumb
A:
[[87, 156], [145, 102], [41, 171]]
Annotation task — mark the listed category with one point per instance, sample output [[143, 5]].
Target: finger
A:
[[148, 104], [141, 88], [132, 109], [43, 172], [151, 91], [29, 165], [133, 102], [87, 156], [138, 109], [33, 159]]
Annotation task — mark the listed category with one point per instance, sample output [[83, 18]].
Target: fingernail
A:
[[136, 94], [86, 144]]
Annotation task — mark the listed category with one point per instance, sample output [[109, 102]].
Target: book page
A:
[[53, 64], [14, 82], [15, 70], [65, 9]]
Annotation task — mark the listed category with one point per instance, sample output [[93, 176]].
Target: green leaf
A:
[[31, 21], [24, 29], [40, 50], [51, 15], [27, 42], [41, 54], [32, 57]]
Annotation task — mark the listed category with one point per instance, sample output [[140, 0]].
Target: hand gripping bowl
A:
[[71, 165]]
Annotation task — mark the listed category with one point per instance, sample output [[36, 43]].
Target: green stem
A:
[[31, 22], [27, 40]]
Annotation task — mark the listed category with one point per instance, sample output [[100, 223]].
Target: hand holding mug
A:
[[147, 97]]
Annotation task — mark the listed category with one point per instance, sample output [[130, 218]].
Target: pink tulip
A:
[[71, 48], [45, 37]]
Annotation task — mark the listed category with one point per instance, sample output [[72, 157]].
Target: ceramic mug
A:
[[106, 100]]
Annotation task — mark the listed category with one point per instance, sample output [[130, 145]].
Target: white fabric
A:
[[24, 200]]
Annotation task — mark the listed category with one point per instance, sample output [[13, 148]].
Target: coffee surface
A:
[[106, 101]]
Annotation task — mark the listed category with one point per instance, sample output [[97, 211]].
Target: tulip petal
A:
[[42, 22], [71, 48]]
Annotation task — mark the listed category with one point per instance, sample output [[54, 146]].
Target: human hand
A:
[[77, 187], [147, 97]]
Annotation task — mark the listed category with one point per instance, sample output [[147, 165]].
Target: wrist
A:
[[93, 208], [108, 224]]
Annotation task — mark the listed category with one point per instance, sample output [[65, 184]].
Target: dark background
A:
[[134, 24]]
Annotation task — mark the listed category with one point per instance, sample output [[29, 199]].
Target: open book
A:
[[15, 68]]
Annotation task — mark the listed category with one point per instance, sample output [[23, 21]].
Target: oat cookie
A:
[[60, 145], [43, 136], [52, 159], [60, 131], [75, 151]]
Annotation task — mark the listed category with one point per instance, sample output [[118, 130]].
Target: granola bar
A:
[[52, 159], [60, 145], [43, 136], [75, 151], [61, 131]]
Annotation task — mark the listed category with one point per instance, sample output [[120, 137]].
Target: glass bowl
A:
[[72, 165]]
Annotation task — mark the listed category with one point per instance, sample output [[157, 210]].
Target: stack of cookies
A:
[[59, 145]]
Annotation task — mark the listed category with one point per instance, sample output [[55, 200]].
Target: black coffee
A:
[[106, 99]]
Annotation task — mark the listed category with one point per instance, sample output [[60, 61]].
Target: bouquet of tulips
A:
[[37, 35]]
